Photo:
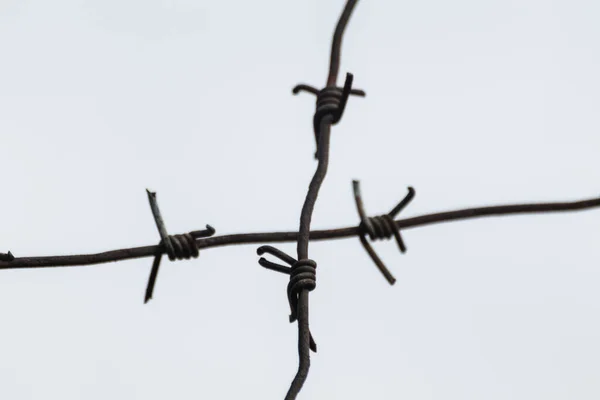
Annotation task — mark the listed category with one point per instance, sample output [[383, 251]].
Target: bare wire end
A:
[[7, 257]]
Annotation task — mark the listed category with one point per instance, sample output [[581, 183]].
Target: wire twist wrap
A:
[[380, 227], [182, 246], [303, 276], [331, 100]]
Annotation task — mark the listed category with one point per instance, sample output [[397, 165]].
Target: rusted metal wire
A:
[[336, 43], [330, 105], [82, 260]]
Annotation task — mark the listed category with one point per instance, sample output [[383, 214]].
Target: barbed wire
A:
[[330, 105], [9, 261]]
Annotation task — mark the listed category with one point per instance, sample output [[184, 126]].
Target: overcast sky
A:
[[471, 102]]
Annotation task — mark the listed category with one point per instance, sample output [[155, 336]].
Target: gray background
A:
[[471, 102]]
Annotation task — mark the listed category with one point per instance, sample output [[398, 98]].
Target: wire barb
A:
[[6, 256], [331, 100], [303, 276], [380, 227], [177, 247]]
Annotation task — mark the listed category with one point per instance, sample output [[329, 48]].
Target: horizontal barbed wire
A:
[[290, 236]]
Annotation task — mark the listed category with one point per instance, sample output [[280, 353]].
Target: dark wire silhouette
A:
[[330, 106]]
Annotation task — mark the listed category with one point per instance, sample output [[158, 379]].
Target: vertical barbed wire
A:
[[329, 110]]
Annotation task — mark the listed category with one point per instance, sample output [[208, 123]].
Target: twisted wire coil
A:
[[303, 276], [181, 246]]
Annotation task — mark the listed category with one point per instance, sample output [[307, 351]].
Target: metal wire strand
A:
[[336, 44], [329, 110], [380, 227], [419, 221]]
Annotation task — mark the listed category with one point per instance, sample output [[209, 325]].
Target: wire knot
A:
[[303, 276], [380, 227]]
